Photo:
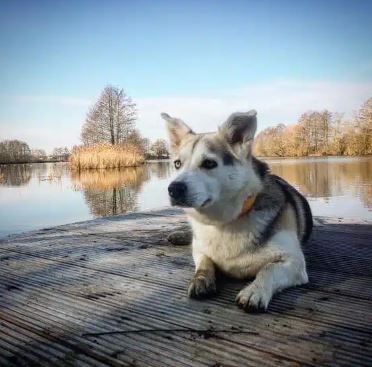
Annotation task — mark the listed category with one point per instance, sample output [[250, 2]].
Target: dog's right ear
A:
[[239, 130], [177, 130]]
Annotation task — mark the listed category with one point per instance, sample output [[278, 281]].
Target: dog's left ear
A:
[[239, 129], [177, 130]]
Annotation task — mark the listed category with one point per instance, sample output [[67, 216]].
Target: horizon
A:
[[199, 62]]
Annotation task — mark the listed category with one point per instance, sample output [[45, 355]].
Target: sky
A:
[[198, 60]]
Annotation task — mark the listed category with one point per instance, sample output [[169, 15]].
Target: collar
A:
[[247, 205]]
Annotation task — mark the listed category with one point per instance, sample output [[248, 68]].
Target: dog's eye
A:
[[177, 164], [208, 164]]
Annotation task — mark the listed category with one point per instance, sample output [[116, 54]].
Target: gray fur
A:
[[195, 142], [300, 206], [221, 148], [240, 127], [270, 203]]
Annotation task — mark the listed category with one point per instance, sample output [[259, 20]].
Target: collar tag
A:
[[247, 205]]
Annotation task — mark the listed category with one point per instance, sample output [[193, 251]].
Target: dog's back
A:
[[301, 207]]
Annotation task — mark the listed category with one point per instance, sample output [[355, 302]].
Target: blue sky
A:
[[197, 59]]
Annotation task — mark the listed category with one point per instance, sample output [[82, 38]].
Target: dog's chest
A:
[[233, 250]]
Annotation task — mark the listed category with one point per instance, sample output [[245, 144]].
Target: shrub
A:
[[106, 156]]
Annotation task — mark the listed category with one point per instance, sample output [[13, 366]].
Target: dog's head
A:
[[216, 170]]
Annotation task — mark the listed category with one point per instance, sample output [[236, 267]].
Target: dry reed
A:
[[106, 156]]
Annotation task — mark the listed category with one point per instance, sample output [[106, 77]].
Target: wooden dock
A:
[[112, 292]]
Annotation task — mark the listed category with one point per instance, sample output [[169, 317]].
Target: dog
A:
[[246, 222]]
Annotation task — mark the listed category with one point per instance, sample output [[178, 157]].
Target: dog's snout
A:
[[177, 190]]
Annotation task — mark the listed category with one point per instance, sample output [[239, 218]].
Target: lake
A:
[[34, 196]]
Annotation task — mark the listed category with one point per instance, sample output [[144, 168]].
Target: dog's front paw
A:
[[202, 286], [180, 238], [253, 298]]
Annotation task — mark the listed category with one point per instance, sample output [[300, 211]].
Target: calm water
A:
[[41, 195]]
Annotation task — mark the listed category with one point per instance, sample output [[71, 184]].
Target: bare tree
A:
[[61, 154], [337, 138], [314, 131], [14, 151], [365, 126], [272, 141], [135, 138], [38, 155], [111, 119], [159, 149]]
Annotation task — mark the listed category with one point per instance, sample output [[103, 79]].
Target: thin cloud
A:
[[276, 102], [43, 138], [51, 100]]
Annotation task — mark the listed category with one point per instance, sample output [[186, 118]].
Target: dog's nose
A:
[[177, 190]]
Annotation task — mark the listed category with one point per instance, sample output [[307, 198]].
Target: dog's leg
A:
[[180, 238], [289, 269], [203, 284]]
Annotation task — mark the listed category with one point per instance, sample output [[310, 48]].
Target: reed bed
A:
[[106, 156]]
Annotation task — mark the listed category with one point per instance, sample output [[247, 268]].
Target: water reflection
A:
[[39, 195], [15, 174], [160, 169], [53, 172], [326, 178], [110, 192]]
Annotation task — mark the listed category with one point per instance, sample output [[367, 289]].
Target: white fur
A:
[[276, 265]]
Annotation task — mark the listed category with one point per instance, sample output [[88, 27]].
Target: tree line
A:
[[111, 121], [17, 151], [319, 133]]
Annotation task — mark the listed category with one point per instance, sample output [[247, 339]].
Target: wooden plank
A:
[[39, 349], [112, 292], [191, 313], [156, 349], [320, 295], [83, 310], [113, 256]]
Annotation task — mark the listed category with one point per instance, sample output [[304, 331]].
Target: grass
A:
[[106, 156]]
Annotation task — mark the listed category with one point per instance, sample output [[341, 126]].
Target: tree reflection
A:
[[161, 169], [110, 192], [21, 174], [326, 178], [15, 174]]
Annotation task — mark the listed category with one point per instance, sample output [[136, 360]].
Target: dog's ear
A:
[[239, 129], [177, 130]]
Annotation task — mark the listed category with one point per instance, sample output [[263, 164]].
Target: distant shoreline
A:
[[31, 162], [152, 160], [313, 156]]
